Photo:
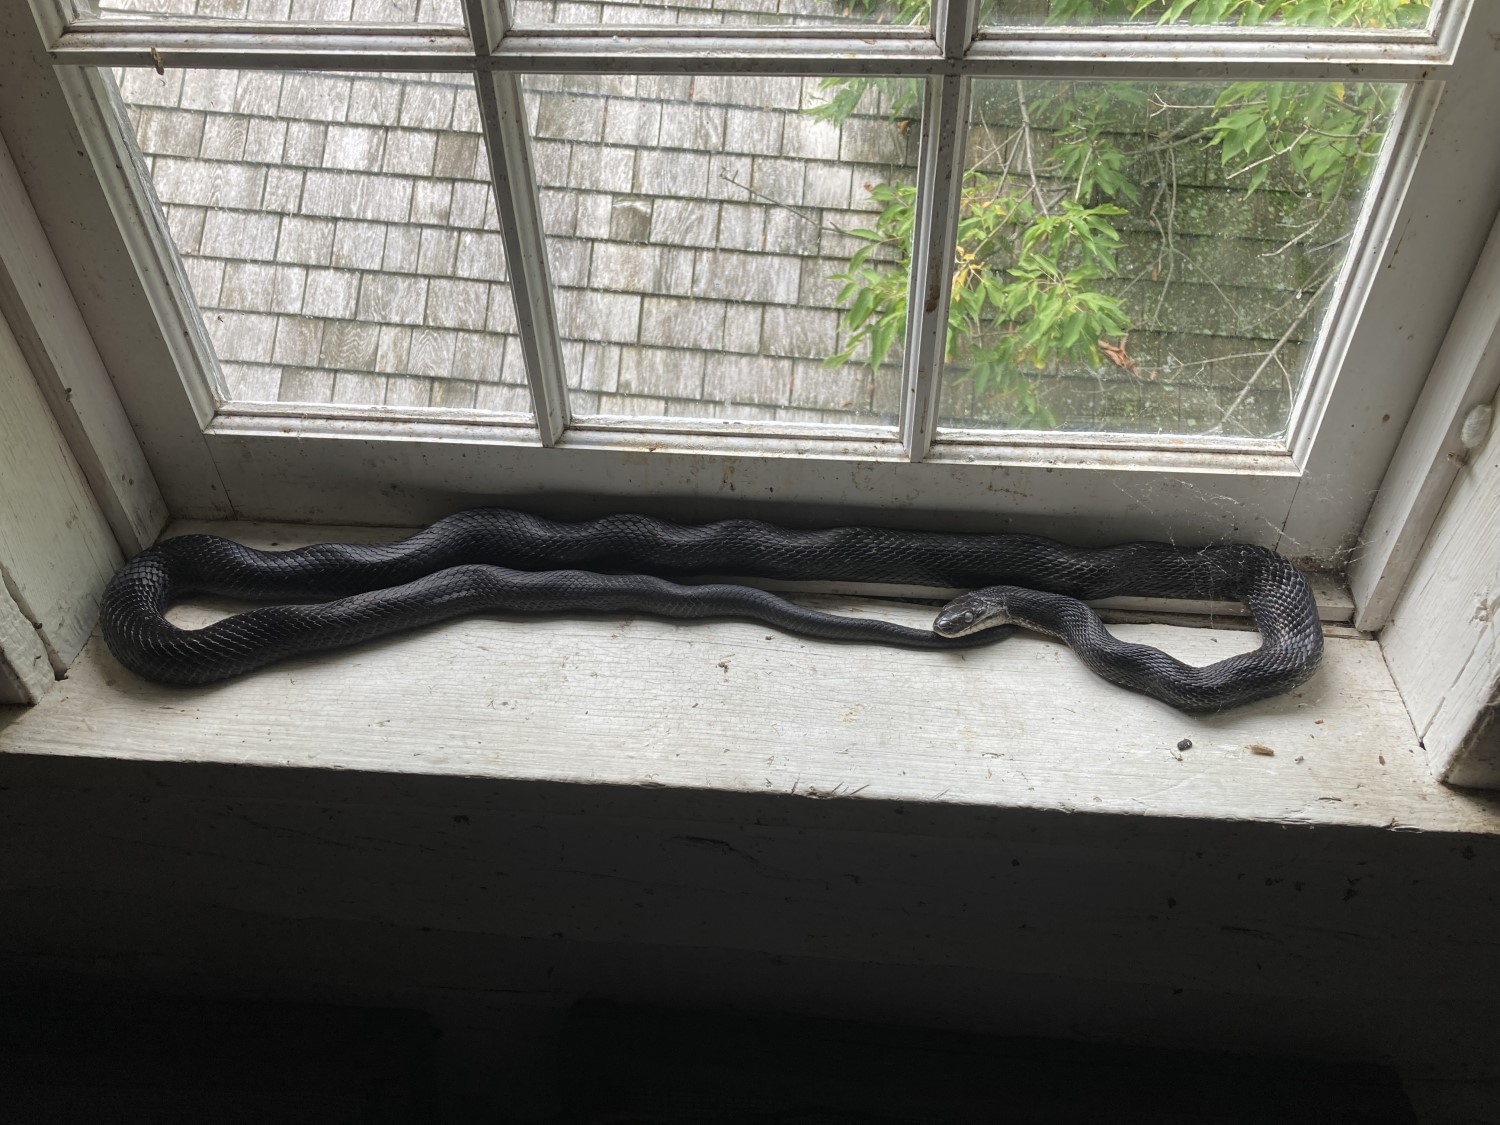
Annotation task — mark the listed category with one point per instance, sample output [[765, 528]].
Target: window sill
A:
[[735, 708]]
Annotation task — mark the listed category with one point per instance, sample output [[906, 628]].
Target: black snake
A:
[[494, 559]]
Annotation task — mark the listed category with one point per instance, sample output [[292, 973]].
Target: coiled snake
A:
[[494, 559]]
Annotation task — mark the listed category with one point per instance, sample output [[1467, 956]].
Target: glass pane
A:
[[697, 231], [339, 233], [781, 13], [1151, 257], [1379, 14], [432, 12]]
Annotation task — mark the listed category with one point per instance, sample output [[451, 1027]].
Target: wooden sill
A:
[[730, 707]]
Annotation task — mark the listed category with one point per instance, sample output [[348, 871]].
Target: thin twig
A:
[[1036, 187], [774, 202], [1270, 355]]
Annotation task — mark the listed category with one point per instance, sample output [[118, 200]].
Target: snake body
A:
[[496, 559]]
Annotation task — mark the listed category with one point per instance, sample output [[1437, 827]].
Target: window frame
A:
[[1307, 497]]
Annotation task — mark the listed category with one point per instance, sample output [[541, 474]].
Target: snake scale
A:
[[500, 560]]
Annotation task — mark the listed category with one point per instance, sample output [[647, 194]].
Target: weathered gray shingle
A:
[[391, 298], [672, 173], [400, 304], [503, 398], [283, 190], [209, 89], [393, 348], [374, 102], [169, 132], [753, 131], [314, 97], [680, 322], [251, 382], [224, 137], [742, 327], [471, 205], [356, 148], [409, 152], [454, 394], [265, 140], [569, 259], [682, 222], [793, 232], [743, 277], [358, 388], [246, 236], [351, 345], [628, 121], [809, 139], [586, 315], [438, 249], [143, 87], [205, 276], [304, 144], [457, 304], [209, 184], [288, 289], [669, 372], [741, 227], [303, 384], [305, 241], [457, 156], [480, 255], [774, 178], [245, 337], [570, 117], [798, 331], [749, 379], [432, 353], [597, 368], [624, 266], [502, 312], [602, 168], [258, 92], [403, 245], [427, 106], [248, 287], [330, 293], [358, 246], [431, 202], [827, 185], [479, 356], [354, 195], [402, 391], [298, 341]]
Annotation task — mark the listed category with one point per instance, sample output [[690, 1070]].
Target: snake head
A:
[[982, 609]]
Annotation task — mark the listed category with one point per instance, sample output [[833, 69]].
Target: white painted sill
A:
[[732, 707]]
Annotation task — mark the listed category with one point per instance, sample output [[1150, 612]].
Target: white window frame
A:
[[1307, 496]]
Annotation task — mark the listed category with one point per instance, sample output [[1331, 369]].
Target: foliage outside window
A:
[[1071, 254]]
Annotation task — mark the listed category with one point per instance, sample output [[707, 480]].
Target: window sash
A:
[[1175, 53]]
